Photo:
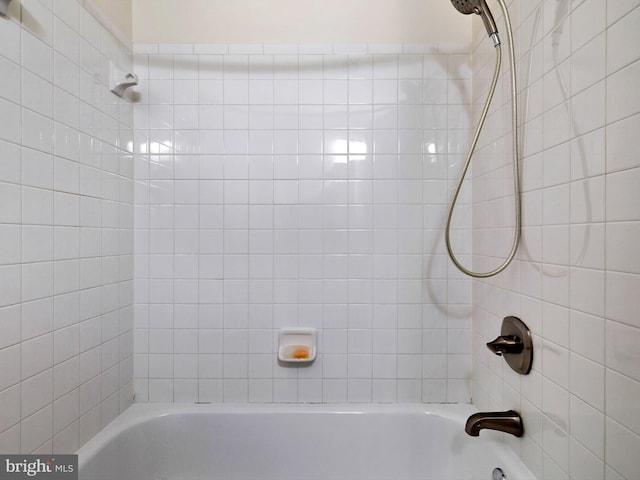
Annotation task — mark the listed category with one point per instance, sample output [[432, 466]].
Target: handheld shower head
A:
[[479, 7]]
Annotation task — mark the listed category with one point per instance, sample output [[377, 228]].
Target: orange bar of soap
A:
[[300, 352]]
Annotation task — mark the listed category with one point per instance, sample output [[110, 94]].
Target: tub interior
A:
[[319, 445]]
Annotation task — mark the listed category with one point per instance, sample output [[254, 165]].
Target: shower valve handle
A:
[[506, 344]]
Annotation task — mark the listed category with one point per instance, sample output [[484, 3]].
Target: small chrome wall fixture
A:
[[515, 344], [130, 80], [120, 81], [4, 7]]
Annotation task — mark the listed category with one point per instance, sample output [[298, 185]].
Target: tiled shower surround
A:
[[285, 185], [577, 276], [306, 185], [66, 229]]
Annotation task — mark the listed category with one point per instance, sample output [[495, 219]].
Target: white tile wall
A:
[[299, 185], [66, 229], [576, 276], [284, 185]]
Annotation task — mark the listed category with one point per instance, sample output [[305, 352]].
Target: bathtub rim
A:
[[139, 413]]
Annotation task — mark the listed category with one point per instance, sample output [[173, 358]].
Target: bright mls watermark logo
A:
[[54, 467]]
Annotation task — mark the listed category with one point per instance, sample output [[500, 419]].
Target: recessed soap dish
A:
[[297, 345]]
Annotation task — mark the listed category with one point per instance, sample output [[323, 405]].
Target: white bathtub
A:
[[294, 442]]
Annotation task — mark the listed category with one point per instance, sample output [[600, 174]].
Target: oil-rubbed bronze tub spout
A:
[[507, 422]]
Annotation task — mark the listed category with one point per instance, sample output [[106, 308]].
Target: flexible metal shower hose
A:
[[472, 147]]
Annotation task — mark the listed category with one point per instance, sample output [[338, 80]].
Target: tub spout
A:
[[507, 422]]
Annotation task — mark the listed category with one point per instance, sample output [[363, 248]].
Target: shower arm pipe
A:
[[472, 147]]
